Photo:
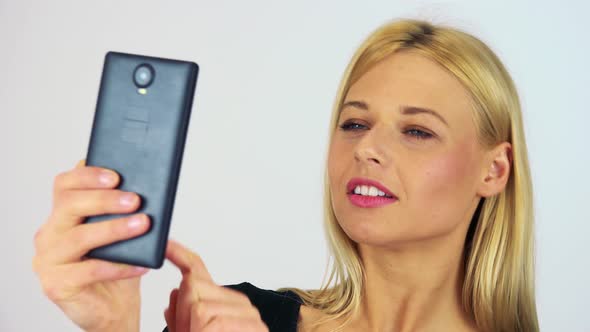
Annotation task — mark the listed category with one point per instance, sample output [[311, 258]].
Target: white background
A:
[[249, 196]]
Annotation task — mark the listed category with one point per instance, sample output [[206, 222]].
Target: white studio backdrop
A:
[[249, 197]]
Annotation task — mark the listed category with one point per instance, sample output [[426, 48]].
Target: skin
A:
[[102, 296], [412, 250]]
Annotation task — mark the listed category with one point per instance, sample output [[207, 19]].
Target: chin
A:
[[376, 232], [369, 231]]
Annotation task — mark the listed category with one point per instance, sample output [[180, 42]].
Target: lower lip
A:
[[370, 201]]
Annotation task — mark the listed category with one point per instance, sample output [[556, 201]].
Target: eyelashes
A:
[[414, 132], [420, 134]]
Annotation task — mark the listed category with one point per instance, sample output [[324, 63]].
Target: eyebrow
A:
[[404, 109]]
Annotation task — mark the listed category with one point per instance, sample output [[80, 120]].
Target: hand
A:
[[96, 295], [199, 305]]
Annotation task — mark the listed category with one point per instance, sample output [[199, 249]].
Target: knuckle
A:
[[37, 235], [194, 259], [188, 285], [51, 290], [58, 180], [201, 310], [42, 237], [220, 324], [52, 293], [60, 200], [199, 313], [37, 238]]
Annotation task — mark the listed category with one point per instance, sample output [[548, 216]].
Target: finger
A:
[[40, 237], [170, 313], [77, 241], [186, 260], [194, 290], [206, 290], [62, 282], [74, 205], [203, 312], [183, 304], [86, 177], [229, 323]]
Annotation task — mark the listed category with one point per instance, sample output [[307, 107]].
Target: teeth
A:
[[364, 190], [373, 191], [368, 191]]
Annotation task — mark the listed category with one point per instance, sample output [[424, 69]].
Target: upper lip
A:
[[367, 182]]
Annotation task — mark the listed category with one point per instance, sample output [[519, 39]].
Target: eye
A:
[[417, 133], [352, 126]]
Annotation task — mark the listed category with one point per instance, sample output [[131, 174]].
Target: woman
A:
[[428, 201]]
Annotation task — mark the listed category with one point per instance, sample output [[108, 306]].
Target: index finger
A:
[[186, 260]]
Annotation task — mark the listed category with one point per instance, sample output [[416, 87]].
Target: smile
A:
[[367, 193]]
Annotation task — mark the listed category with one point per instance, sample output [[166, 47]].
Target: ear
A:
[[496, 171]]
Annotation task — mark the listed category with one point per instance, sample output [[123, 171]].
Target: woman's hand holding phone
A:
[[96, 295]]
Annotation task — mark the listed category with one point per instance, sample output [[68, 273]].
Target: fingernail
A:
[[128, 199], [107, 178], [136, 221], [140, 269]]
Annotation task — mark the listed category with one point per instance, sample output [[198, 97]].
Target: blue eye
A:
[[417, 133], [351, 126]]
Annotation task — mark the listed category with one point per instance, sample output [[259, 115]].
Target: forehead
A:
[[408, 78]]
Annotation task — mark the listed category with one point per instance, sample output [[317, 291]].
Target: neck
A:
[[414, 287]]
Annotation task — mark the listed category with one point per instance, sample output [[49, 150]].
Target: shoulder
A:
[[279, 310]]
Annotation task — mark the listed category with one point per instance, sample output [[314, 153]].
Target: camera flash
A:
[[142, 91]]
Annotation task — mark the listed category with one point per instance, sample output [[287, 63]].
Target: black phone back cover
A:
[[142, 136]]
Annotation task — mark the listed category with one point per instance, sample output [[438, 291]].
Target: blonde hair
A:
[[498, 288]]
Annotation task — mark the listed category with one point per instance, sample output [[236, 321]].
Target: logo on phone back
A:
[[135, 125]]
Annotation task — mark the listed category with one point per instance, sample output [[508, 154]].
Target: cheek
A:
[[336, 160], [444, 173], [445, 185]]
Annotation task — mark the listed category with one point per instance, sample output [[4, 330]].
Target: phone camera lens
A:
[[143, 75]]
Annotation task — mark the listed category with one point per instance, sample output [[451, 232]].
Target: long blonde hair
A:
[[498, 289]]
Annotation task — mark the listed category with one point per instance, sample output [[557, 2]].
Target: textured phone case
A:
[[141, 136]]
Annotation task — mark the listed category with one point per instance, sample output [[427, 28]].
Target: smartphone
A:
[[139, 130]]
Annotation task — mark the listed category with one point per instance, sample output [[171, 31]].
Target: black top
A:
[[279, 310]]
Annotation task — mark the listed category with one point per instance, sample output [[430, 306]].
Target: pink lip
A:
[[368, 201]]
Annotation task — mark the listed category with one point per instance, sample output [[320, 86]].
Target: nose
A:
[[372, 148]]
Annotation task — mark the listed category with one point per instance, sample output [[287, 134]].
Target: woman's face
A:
[[406, 123]]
